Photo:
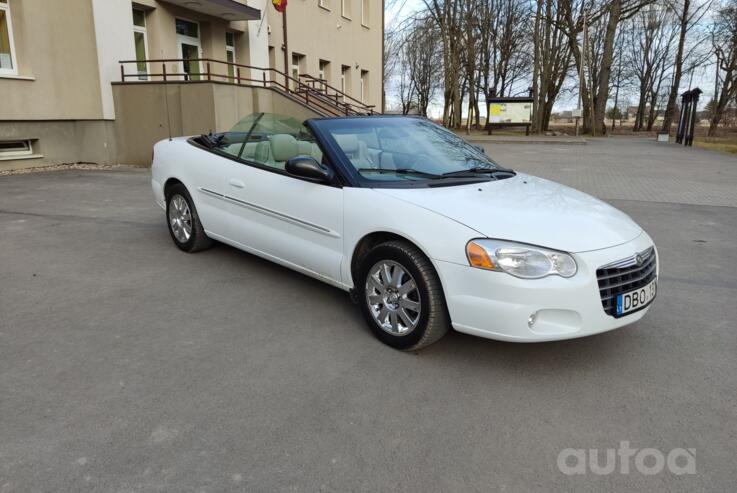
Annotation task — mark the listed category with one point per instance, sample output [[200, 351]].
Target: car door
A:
[[290, 220]]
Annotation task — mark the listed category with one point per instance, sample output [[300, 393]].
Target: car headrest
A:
[[347, 142], [305, 148], [283, 147]]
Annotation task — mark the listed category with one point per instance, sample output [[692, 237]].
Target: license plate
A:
[[634, 300]]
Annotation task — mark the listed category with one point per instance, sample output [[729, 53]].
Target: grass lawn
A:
[[722, 144]]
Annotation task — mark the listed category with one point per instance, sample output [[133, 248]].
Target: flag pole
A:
[[286, 50]]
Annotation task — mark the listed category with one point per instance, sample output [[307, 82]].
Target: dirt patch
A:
[[66, 167]]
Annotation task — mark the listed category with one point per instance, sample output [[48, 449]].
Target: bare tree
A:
[[552, 61], [447, 15], [648, 44], [422, 59], [689, 15], [724, 43], [604, 17]]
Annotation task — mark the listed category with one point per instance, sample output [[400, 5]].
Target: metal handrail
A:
[[336, 90], [301, 90]]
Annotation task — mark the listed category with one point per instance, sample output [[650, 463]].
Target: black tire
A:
[[198, 240], [433, 319]]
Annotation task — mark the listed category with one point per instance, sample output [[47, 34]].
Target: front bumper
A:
[[496, 305]]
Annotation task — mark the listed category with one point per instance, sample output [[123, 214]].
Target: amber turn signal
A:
[[478, 257]]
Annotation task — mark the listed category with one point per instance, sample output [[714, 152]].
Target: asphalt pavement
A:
[[129, 366]]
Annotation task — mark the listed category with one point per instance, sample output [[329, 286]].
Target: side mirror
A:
[[479, 148], [306, 167]]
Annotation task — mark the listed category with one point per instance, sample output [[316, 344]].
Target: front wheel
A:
[[401, 297], [184, 223]]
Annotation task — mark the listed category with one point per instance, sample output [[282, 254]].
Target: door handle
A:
[[236, 183]]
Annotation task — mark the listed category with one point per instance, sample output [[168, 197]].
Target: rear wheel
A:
[[401, 297], [184, 224]]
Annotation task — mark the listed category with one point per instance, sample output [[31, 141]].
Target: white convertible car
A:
[[422, 228]]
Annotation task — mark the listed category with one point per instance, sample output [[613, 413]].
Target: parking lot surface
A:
[[127, 365]]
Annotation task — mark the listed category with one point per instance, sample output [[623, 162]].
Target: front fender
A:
[[367, 211]]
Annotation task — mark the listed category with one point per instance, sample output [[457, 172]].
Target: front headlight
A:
[[518, 259]]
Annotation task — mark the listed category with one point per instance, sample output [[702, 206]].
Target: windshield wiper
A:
[[479, 171], [400, 171]]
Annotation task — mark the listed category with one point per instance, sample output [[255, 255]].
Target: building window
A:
[[345, 8], [230, 53], [141, 43], [8, 63], [190, 49], [188, 28], [297, 68], [364, 85], [345, 78], [365, 13], [15, 149], [324, 73]]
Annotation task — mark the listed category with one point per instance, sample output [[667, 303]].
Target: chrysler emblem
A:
[[638, 259]]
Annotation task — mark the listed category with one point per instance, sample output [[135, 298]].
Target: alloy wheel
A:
[[393, 298], [180, 218]]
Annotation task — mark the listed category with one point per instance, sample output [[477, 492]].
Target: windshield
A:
[[391, 149]]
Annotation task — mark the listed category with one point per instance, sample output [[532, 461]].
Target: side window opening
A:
[[270, 140]]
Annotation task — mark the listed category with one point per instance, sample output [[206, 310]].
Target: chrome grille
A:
[[625, 275]]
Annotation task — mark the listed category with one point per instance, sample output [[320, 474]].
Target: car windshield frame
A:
[[326, 130]]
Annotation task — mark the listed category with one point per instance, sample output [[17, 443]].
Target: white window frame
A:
[[364, 13], [142, 30], [344, 9], [184, 39], [230, 49], [25, 148], [295, 69], [364, 77], [343, 81], [13, 60]]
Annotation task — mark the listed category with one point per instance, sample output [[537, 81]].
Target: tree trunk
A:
[[615, 11], [670, 109], [585, 100], [536, 116]]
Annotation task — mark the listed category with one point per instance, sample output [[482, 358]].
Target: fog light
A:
[[531, 320]]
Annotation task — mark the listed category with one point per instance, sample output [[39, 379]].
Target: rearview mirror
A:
[[306, 167]]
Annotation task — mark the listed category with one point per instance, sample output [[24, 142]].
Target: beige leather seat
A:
[[283, 148], [310, 149], [355, 150], [262, 152], [249, 152]]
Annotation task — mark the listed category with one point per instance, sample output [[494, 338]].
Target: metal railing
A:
[[314, 92]]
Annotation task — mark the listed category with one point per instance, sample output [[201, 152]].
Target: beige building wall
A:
[[151, 112], [62, 97], [322, 30], [56, 53]]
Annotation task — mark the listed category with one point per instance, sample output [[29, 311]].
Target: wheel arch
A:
[[370, 240], [170, 182]]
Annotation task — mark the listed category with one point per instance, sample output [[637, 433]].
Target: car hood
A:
[[527, 209]]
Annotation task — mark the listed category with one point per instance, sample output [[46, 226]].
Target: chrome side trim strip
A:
[[269, 212]]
